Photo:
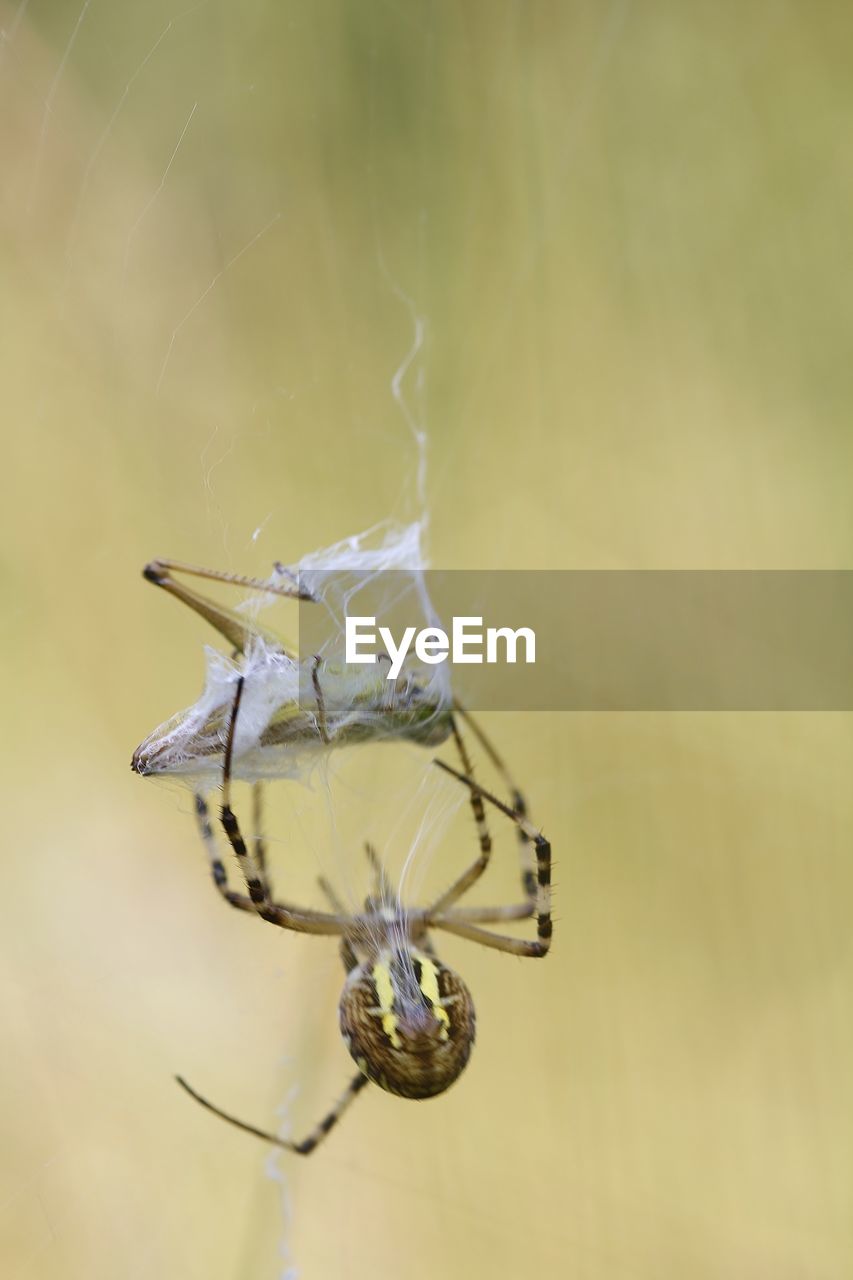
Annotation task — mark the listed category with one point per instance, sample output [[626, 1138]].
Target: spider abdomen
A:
[[408, 1022]]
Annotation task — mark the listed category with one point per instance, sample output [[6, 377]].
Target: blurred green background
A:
[[626, 228]]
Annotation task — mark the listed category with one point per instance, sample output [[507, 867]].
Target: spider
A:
[[406, 1018]]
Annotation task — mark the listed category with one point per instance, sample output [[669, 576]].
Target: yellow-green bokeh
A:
[[626, 228]]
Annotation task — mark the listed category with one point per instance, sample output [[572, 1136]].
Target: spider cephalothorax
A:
[[407, 1019]]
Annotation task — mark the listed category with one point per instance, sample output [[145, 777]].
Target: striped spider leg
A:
[[407, 1019]]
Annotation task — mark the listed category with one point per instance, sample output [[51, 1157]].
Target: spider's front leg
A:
[[302, 920], [466, 924], [246, 860], [469, 877], [519, 804], [218, 873]]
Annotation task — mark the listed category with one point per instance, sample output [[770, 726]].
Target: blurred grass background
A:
[[627, 229]]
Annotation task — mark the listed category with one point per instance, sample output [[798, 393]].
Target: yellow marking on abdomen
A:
[[429, 986], [381, 975]]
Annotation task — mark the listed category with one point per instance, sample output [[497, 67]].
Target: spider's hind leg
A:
[[315, 1137]]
